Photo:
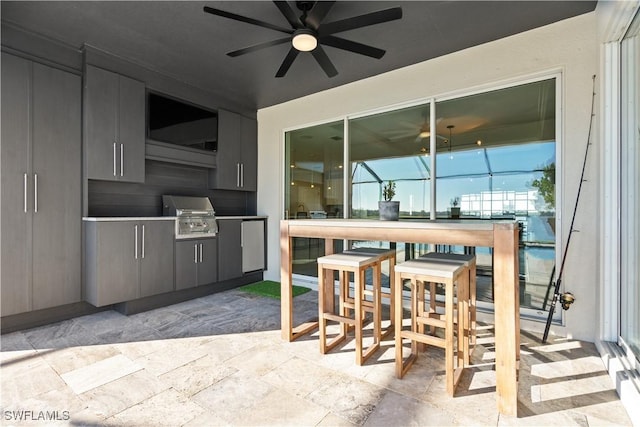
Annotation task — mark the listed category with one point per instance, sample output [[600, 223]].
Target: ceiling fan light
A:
[[425, 134], [304, 41]]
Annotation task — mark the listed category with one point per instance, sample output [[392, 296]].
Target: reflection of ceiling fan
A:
[[308, 33], [420, 132]]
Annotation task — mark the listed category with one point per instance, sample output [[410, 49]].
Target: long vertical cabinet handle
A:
[[35, 192], [200, 252], [121, 159], [143, 241], [237, 174], [115, 156], [195, 253], [242, 175], [135, 238], [25, 184]]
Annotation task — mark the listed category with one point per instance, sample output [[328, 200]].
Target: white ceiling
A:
[[178, 39]]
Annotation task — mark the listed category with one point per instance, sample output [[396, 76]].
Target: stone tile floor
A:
[[219, 360]]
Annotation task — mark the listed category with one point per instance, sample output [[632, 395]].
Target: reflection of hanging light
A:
[[450, 127]]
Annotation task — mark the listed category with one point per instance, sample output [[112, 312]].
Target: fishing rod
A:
[[567, 298]]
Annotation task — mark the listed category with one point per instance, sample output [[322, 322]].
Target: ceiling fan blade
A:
[[288, 13], [360, 21], [318, 13], [258, 46], [288, 60], [324, 61], [247, 20], [351, 46]]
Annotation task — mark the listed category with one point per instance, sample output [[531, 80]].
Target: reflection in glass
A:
[[499, 160], [313, 185], [391, 146], [495, 153]]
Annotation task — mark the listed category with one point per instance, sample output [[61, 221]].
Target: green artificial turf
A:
[[269, 288]]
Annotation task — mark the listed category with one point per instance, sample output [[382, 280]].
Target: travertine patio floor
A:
[[219, 360]]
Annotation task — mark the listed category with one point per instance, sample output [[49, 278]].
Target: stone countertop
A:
[[161, 218], [129, 218], [222, 218]]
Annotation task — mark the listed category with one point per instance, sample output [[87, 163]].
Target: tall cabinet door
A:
[[156, 257], [249, 136], [131, 129], [101, 121], [114, 136], [57, 210], [16, 200], [229, 151]]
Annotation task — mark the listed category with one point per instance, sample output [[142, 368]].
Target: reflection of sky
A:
[[505, 168]]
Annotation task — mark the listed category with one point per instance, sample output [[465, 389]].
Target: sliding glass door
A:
[[630, 191], [495, 158]]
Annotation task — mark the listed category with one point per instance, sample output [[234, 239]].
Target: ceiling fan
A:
[[308, 33]]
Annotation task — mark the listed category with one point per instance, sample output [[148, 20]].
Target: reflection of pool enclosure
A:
[[495, 154]]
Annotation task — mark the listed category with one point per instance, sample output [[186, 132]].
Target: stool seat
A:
[[442, 256], [428, 268], [348, 259]]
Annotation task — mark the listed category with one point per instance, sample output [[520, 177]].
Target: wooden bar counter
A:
[[501, 235]]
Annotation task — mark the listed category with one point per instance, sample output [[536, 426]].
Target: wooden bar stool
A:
[[345, 264], [420, 272], [385, 255], [469, 261]]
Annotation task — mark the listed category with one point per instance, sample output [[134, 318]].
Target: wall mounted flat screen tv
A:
[[178, 122]]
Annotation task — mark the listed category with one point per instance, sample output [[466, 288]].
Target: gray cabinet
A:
[[114, 126], [230, 255], [237, 152], [41, 186], [196, 262], [126, 260]]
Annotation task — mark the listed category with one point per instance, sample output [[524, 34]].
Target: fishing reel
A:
[[566, 299]]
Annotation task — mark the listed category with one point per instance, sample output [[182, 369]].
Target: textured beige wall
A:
[[569, 47]]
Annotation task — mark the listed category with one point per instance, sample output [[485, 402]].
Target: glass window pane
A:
[[630, 189], [314, 185], [390, 146], [496, 159]]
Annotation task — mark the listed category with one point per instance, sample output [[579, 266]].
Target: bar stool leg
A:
[[472, 303], [397, 297], [392, 294], [449, 356], [433, 294], [463, 320], [377, 304], [359, 280], [322, 324]]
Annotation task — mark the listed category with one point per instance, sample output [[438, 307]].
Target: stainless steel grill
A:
[[195, 216]]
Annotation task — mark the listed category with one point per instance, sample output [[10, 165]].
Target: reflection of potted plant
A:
[[455, 209], [389, 209]]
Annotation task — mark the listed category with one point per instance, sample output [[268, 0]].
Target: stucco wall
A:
[[569, 47]]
